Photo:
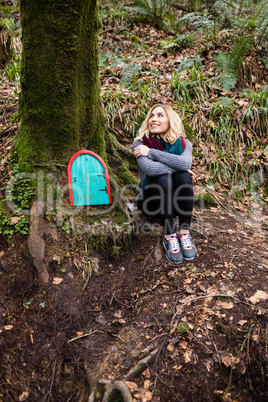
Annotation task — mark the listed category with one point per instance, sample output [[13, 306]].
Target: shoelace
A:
[[186, 241], [174, 244]]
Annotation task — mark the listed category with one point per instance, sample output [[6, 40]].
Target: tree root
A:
[[141, 365], [36, 243], [118, 145], [110, 389]]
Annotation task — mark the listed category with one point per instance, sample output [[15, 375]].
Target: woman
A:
[[165, 189]]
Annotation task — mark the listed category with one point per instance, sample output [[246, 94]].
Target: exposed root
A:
[[111, 387], [141, 365], [36, 243]]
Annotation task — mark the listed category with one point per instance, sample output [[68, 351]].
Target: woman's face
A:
[[158, 121]]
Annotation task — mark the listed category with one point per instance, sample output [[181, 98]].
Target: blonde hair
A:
[[175, 130]]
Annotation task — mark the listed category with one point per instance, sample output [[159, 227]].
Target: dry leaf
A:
[[223, 304], [259, 295], [8, 327], [170, 347], [15, 219], [188, 355], [24, 396], [131, 385], [147, 397], [183, 344], [242, 322], [147, 384], [188, 280], [230, 361], [57, 281]]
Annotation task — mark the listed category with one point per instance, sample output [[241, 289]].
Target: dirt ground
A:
[[204, 320]]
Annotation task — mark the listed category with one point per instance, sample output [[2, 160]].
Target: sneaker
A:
[[173, 250], [187, 246]]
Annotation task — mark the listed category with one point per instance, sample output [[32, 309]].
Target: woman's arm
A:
[[176, 162], [151, 167]]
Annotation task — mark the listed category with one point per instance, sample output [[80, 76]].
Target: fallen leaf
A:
[[57, 281], [242, 322], [259, 295], [183, 344], [188, 355], [170, 347], [147, 384], [15, 219], [230, 361], [24, 396], [131, 385], [8, 327], [223, 304]]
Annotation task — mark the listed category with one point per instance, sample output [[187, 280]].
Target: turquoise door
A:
[[89, 181]]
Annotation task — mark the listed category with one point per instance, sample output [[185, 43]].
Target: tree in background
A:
[[60, 105]]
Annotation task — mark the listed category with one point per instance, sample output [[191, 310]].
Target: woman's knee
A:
[[180, 178], [162, 183]]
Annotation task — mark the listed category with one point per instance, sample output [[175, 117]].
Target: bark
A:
[[60, 105]]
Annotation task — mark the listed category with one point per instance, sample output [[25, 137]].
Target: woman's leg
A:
[[158, 201], [183, 205], [183, 198]]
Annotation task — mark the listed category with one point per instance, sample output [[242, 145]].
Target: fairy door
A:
[[88, 179]]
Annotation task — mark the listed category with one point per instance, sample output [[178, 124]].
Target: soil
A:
[[100, 316]]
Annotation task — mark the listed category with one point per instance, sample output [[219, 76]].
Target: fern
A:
[[227, 74], [189, 63], [240, 49], [179, 42], [130, 74], [155, 9]]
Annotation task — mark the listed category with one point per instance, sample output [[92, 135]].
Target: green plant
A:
[[157, 10], [190, 88], [188, 63], [257, 111], [227, 75], [176, 43], [130, 74], [20, 191]]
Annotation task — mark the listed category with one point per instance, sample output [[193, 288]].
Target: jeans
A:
[[167, 196]]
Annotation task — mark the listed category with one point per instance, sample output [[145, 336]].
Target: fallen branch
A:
[[141, 365]]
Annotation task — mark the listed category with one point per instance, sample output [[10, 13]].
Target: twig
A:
[[52, 380], [234, 256], [82, 336], [216, 198], [148, 256]]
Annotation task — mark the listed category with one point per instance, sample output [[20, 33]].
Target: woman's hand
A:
[[193, 175], [141, 150]]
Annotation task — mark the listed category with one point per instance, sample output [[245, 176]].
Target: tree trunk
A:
[[60, 105]]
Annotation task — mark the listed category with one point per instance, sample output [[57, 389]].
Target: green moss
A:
[[126, 175], [204, 200], [60, 104]]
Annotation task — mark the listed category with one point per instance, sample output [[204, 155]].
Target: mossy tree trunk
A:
[[60, 105]]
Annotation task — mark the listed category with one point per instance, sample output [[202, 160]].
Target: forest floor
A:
[[203, 323], [205, 319]]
